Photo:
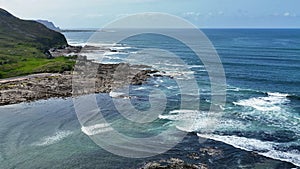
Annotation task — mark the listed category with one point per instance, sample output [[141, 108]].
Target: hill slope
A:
[[17, 30], [24, 46]]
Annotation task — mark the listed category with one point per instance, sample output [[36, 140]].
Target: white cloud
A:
[[289, 14], [197, 15], [220, 13], [191, 14]]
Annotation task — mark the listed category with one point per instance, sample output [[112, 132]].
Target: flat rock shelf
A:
[[48, 85]]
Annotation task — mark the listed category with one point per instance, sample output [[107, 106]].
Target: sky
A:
[[202, 13]]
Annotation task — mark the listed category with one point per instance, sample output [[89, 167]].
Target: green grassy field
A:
[[23, 45], [23, 60]]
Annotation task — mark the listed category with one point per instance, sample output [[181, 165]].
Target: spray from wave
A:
[[49, 140]]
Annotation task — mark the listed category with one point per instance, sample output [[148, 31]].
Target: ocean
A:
[[261, 114]]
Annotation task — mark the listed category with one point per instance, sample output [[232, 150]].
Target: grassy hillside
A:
[[24, 45]]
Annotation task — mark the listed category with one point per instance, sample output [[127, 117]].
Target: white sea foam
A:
[[259, 104], [278, 94], [179, 74], [196, 66], [265, 148], [186, 120], [180, 114], [96, 129], [273, 102], [289, 156], [49, 140], [158, 81], [140, 88], [114, 53], [120, 48], [102, 45], [236, 89], [172, 65], [248, 144], [194, 120], [172, 87], [111, 57], [76, 43], [107, 62], [271, 110], [116, 94]]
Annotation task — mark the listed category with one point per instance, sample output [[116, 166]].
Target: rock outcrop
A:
[[44, 86]]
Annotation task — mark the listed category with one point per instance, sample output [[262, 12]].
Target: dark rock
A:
[[66, 51], [174, 163], [113, 50], [48, 55]]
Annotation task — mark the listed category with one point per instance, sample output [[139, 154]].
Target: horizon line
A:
[[94, 29]]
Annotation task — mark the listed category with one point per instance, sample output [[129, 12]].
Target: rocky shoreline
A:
[[211, 154], [48, 85]]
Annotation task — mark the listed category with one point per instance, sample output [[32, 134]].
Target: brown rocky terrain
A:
[[47, 85]]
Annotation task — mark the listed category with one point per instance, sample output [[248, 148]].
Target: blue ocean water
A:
[[261, 115], [262, 68]]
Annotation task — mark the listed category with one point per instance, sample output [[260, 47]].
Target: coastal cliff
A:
[[49, 25], [15, 31], [25, 45]]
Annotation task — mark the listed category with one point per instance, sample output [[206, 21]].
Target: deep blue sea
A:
[[261, 113]]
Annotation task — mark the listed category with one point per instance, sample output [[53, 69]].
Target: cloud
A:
[[289, 14], [196, 16], [221, 13], [191, 14]]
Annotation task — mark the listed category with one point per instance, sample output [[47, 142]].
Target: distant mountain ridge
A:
[[15, 30], [49, 25]]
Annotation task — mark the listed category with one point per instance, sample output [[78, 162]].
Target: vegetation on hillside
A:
[[24, 47]]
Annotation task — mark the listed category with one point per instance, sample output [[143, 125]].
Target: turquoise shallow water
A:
[[47, 134], [262, 112]]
